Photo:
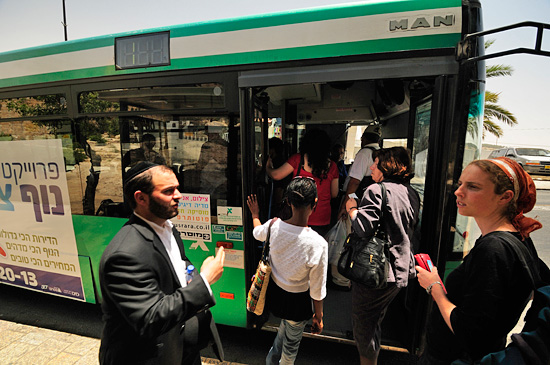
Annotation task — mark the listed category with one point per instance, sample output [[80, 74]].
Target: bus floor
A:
[[338, 323], [336, 317]]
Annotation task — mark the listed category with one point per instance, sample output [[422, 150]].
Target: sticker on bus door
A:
[[230, 215], [193, 219]]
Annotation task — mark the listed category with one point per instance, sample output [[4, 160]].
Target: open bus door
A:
[[404, 107], [438, 119], [255, 153]]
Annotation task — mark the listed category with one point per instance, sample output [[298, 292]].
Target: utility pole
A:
[[64, 21]]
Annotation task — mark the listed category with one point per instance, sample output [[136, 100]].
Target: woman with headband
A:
[[489, 290]]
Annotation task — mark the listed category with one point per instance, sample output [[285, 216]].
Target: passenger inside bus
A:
[[278, 155], [212, 163], [359, 174], [144, 153], [313, 161], [92, 180], [337, 155]]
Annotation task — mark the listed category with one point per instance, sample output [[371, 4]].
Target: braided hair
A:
[[301, 192]]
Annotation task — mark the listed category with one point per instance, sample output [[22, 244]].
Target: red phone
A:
[[424, 261]]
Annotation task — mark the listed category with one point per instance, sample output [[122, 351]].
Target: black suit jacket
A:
[[148, 317]]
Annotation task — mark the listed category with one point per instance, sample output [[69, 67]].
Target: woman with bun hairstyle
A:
[[298, 257], [392, 167], [489, 290]]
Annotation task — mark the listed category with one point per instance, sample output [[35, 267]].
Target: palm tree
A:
[[493, 112]]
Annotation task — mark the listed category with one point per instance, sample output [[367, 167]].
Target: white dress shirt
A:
[[169, 242]]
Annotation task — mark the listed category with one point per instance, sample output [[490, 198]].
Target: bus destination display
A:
[[142, 51]]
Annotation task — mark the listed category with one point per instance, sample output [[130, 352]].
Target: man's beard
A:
[[160, 210]]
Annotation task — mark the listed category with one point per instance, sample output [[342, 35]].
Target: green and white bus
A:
[[74, 116]]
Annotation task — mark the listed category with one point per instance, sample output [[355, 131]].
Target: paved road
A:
[[541, 212]]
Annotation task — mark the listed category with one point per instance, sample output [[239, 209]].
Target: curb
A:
[[542, 185]]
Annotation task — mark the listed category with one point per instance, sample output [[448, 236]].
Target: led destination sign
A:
[[146, 50]]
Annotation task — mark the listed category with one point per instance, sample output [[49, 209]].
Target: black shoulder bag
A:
[[366, 260]]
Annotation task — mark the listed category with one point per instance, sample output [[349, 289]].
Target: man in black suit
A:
[[151, 314]]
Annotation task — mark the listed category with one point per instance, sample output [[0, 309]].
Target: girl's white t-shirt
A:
[[298, 256]]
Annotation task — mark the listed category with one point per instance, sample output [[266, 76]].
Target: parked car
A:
[[533, 160]]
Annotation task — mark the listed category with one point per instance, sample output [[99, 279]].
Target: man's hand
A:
[[212, 267]]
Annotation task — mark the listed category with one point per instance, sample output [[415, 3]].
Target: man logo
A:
[[421, 22]]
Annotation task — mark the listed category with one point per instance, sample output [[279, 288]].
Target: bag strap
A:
[[384, 199], [265, 250], [382, 208]]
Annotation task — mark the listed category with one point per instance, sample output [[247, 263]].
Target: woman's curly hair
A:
[[316, 143]]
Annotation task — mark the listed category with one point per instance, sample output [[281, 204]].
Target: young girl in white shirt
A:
[[298, 257]]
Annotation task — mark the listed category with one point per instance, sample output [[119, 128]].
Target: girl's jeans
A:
[[285, 346]]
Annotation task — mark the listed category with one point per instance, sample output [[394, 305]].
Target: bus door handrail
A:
[[467, 45]]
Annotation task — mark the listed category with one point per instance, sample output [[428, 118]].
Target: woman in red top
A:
[[313, 161]]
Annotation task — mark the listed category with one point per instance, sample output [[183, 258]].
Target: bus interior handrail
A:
[[466, 46]]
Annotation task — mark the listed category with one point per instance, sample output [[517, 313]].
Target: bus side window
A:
[[99, 169]]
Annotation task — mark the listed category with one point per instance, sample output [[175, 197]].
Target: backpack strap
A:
[[528, 262], [537, 272]]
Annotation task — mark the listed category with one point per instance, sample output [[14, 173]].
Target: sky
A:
[[29, 23]]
